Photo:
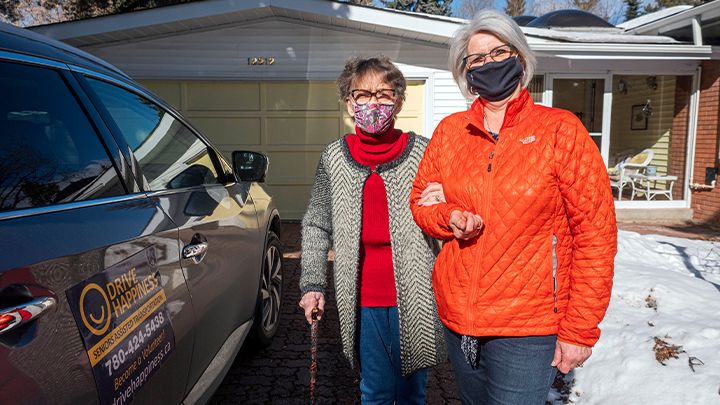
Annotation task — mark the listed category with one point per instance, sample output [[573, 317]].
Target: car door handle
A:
[[195, 251], [12, 317]]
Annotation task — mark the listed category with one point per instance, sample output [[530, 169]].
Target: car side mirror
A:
[[250, 166]]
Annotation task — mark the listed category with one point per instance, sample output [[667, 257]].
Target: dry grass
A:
[[664, 351]]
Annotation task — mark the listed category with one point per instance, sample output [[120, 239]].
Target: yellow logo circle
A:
[[98, 332]]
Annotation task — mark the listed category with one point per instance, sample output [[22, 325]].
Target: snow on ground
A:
[[682, 276]]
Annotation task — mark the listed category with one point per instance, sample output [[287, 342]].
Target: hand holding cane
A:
[[313, 354]]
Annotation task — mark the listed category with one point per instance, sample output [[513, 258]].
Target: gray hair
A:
[[358, 66], [495, 23]]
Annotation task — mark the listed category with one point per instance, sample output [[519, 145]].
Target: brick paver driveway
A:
[[279, 374]]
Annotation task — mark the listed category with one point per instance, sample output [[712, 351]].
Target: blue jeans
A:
[[511, 370], [378, 347]]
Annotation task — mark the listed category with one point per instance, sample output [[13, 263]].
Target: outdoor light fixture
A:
[[651, 82], [622, 87], [647, 110], [711, 175]]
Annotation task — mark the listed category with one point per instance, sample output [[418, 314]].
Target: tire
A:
[[269, 303]]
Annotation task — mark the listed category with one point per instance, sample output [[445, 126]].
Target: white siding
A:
[[448, 99], [301, 52]]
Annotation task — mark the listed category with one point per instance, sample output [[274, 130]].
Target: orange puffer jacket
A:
[[543, 182]]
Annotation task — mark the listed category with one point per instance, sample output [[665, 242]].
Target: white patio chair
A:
[[622, 178]]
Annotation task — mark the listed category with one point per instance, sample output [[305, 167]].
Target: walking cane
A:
[[313, 354]]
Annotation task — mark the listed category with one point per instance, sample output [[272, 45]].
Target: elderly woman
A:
[[382, 260], [520, 193]]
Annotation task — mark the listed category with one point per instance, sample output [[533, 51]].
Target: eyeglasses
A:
[[383, 96], [497, 54]]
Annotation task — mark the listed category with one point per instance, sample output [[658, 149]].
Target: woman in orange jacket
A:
[[521, 196]]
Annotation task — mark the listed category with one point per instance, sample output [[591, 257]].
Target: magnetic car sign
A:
[[125, 325]]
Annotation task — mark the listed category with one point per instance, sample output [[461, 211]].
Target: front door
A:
[[585, 97]]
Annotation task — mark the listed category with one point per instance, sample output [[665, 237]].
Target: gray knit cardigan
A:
[[334, 215]]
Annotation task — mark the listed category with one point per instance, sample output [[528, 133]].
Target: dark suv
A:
[[135, 259]]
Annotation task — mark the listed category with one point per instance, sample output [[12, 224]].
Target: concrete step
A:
[[653, 214]]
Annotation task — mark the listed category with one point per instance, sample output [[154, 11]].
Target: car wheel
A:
[[267, 313]]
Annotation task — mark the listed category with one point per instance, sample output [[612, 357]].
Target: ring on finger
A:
[[437, 198], [580, 365]]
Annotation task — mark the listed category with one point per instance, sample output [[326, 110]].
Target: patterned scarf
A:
[[469, 346]]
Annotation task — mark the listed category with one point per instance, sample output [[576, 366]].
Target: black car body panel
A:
[[92, 197]]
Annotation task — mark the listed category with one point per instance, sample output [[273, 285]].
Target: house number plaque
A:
[[261, 61]]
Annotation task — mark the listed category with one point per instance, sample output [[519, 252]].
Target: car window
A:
[[170, 155], [49, 151]]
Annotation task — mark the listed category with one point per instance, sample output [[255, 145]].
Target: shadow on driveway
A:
[[279, 373]]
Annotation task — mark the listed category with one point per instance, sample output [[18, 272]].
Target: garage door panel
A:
[[348, 124], [290, 122], [233, 131], [222, 96], [292, 199], [302, 130], [228, 150], [301, 97], [293, 167], [169, 92]]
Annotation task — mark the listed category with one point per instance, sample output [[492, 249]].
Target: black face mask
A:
[[495, 81]]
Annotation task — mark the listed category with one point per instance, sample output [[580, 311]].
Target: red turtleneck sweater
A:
[[377, 277]]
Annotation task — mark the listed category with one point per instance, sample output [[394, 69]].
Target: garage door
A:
[[289, 122]]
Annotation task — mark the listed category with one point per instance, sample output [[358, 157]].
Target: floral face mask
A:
[[374, 118]]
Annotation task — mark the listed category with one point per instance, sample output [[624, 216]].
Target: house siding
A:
[[448, 99], [300, 52]]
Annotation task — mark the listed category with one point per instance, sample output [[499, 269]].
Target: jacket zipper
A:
[[554, 272], [481, 245]]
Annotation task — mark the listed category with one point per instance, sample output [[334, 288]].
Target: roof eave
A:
[[441, 28]]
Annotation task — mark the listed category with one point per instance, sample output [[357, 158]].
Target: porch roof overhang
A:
[[688, 23], [652, 17], [600, 51], [426, 29]]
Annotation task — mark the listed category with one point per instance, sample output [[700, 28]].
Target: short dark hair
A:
[[358, 66]]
